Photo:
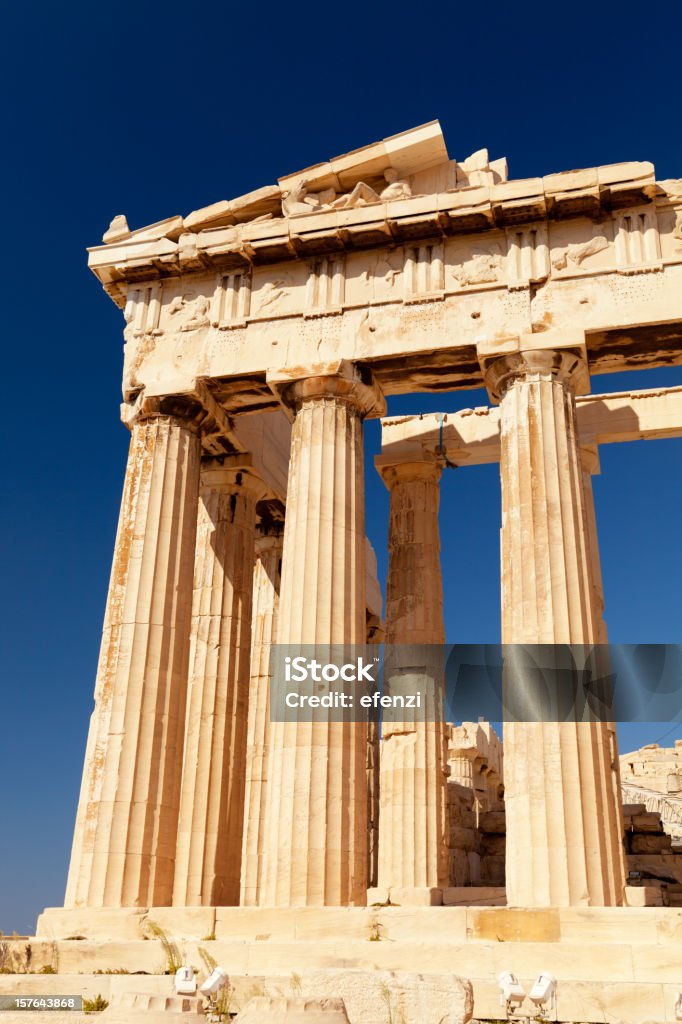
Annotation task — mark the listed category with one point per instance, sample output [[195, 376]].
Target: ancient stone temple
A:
[[260, 332]]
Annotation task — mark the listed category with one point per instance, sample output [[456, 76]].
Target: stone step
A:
[[153, 1008], [603, 957], [636, 1000], [123, 929], [284, 1010], [475, 895]]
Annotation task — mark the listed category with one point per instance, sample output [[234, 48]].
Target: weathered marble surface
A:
[[408, 284]]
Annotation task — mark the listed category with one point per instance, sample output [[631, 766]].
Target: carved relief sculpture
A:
[[194, 309], [271, 293], [482, 268], [298, 200], [363, 195], [580, 251]]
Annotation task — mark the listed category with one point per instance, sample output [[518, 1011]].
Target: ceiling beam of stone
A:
[[471, 437]]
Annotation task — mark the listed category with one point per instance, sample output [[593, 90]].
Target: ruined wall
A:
[[652, 811], [475, 805]]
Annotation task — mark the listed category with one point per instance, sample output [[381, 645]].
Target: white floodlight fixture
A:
[[543, 992], [185, 982], [511, 993], [216, 980]]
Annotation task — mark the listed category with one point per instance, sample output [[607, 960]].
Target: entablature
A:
[[594, 193], [417, 262]]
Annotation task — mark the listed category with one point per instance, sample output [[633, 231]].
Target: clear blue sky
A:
[[153, 109]]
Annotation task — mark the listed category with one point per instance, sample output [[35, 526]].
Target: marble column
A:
[[589, 461], [209, 845], [266, 584], [413, 759], [316, 818], [610, 760], [564, 845], [375, 635], [462, 770], [373, 803], [124, 840]]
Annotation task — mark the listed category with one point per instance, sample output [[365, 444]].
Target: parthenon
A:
[[260, 332]]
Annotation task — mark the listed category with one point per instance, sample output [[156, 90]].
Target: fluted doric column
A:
[[266, 583], [413, 758], [589, 461], [589, 455], [209, 846], [563, 834], [316, 828], [462, 770], [124, 840]]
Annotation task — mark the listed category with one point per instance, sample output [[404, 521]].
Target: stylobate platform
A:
[[611, 963]]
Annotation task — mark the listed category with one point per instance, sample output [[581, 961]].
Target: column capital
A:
[[183, 407], [192, 403], [340, 379], [408, 466], [557, 354], [232, 473]]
